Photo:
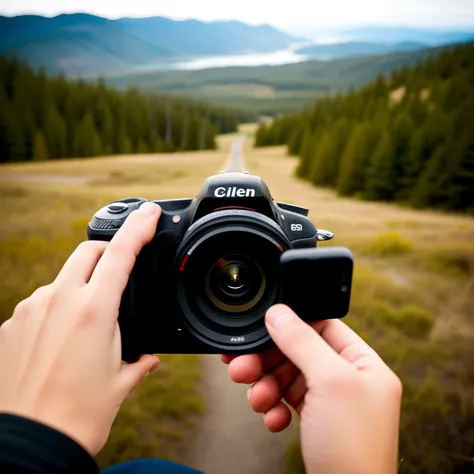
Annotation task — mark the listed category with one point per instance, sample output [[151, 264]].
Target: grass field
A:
[[413, 291]]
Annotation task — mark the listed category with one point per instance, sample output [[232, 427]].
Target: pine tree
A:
[[294, 143], [55, 132], [86, 139], [402, 129], [323, 161], [305, 153], [142, 147], [40, 151], [354, 158], [12, 140], [432, 187], [127, 146], [380, 184], [159, 145], [260, 136], [184, 132], [105, 126], [461, 185], [414, 163]]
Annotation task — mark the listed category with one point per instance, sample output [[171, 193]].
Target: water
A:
[[285, 56]]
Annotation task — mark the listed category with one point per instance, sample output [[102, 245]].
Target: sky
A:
[[286, 13]]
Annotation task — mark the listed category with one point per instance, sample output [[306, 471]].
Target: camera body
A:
[[217, 263]]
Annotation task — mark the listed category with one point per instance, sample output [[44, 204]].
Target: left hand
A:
[[60, 353]]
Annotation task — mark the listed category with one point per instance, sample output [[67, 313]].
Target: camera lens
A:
[[227, 277], [235, 283]]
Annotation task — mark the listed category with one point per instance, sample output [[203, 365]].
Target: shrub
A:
[[412, 320], [388, 243], [453, 260]]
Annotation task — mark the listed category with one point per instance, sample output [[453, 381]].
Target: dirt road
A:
[[230, 438]]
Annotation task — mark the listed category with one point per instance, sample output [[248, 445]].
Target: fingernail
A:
[[148, 208], [249, 391], [147, 373], [279, 316]]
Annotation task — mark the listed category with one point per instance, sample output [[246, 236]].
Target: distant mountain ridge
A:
[[358, 48], [82, 44], [397, 34]]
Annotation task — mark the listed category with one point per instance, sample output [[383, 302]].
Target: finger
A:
[[268, 391], [350, 345], [285, 373], [264, 395], [114, 268], [79, 266], [246, 368], [132, 374], [272, 358], [278, 418], [250, 367], [295, 393], [301, 343], [227, 359]]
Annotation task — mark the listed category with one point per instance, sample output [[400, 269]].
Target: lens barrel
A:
[[227, 267]]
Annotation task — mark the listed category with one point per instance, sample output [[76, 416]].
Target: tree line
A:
[[408, 137], [51, 117]]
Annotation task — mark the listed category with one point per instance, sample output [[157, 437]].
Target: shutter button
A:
[[117, 208]]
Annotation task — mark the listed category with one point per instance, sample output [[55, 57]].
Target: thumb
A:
[[301, 343], [132, 374]]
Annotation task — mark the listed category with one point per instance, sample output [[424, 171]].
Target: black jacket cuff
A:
[[28, 447]]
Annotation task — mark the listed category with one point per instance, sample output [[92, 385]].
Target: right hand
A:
[[348, 399]]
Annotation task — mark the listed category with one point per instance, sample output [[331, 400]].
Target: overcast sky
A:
[[290, 12]]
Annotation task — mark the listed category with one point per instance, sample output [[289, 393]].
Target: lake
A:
[[285, 56]]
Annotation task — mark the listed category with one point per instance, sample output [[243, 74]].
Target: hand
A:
[[60, 353], [348, 399]]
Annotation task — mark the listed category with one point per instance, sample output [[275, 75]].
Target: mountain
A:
[[272, 89], [395, 34], [357, 48], [82, 44]]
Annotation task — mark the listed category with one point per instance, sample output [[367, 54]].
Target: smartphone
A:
[[316, 283]]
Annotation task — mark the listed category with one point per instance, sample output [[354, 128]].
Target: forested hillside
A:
[[408, 137], [50, 117]]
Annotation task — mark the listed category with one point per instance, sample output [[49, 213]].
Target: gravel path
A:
[[230, 438]]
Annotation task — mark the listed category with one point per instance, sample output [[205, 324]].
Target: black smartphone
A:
[[323, 275]]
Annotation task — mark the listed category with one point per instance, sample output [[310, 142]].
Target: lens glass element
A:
[[235, 283]]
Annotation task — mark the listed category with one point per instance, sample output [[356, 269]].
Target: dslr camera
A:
[[217, 263]]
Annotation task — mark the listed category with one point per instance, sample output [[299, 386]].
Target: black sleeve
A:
[[28, 447]]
